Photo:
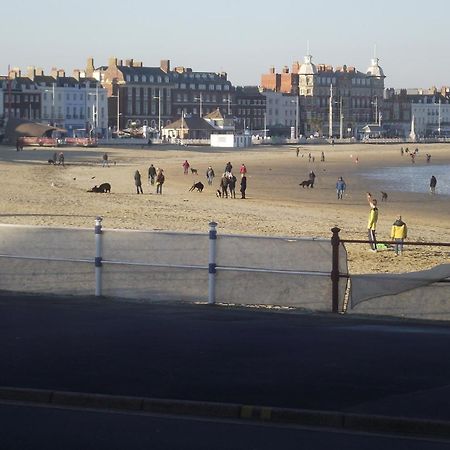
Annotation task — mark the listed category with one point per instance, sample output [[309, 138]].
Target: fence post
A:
[[212, 263], [98, 256], [335, 242]]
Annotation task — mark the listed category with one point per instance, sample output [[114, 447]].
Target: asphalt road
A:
[[31, 427]]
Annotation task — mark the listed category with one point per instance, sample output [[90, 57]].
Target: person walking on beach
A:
[[312, 178], [340, 188], [297, 151], [138, 182], [210, 175], [232, 186], [399, 233], [372, 223], [243, 170], [105, 160], [186, 166], [61, 158], [224, 185], [322, 157], [401, 151], [151, 174], [243, 186], [160, 178], [433, 182]]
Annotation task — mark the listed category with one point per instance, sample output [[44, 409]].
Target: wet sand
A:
[[36, 193]]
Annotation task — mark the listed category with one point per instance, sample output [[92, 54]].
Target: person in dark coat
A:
[[224, 185], [243, 186], [232, 186], [160, 178], [228, 167], [433, 183], [151, 174], [138, 182]]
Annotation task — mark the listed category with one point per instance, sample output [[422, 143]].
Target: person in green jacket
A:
[[399, 232]]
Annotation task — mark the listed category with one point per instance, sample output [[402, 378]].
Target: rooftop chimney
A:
[[165, 65]]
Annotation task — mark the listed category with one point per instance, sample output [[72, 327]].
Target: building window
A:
[[218, 87], [128, 78]]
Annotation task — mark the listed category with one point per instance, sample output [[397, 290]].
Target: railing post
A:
[[98, 256], [212, 263], [335, 243]]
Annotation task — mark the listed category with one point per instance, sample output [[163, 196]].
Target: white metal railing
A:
[[112, 260]]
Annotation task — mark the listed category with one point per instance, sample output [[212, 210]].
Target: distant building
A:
[[149, 95], [430, 108], [250, 109], [333, 101], [71, 103], [282, 113]]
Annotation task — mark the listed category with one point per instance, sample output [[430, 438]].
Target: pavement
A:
[[254, 364]]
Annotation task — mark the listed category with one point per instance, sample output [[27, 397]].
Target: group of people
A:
[[399, 230], [154, 175], [228, 181]]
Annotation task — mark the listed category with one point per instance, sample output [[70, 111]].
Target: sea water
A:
[[412, 178]]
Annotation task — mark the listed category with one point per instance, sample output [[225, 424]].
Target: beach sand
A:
[[37, 193]]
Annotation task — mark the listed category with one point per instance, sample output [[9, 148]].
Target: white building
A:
[[431, 118], [75, 106], [281, 109]]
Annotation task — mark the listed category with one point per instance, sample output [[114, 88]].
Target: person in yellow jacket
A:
[[372, 223], [399, 232]]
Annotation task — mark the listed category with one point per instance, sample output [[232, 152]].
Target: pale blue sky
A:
[[242, 37]]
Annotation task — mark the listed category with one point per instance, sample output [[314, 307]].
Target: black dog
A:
[[194, 171], [305, 183], [103, 188], [199, 186], [50, 161], [384, 196], [218, 193]]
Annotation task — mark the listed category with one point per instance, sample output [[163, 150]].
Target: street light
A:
[[439, 118], [200, 99], [96, 109], [228, 100], [118, 109], [159, 111], [296, 101], [52, 90]]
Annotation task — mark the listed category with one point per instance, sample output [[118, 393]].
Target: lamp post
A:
[[296, 101], [95, 108], [439, 118], [375, 103], [118, 109], [228, 100], [159, 110], [330, 118], [200, 100], [52, 90]]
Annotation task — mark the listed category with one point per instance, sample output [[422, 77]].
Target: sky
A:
[[241, 37]]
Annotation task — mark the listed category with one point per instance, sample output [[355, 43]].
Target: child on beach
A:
[[372, 223], [399, 233]]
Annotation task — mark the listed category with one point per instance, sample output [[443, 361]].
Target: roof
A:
[[190, 123], [18, 127], [307, 68]]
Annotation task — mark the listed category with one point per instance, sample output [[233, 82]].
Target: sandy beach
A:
[[37, 193]]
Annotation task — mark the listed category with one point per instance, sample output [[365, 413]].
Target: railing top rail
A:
[[364, 241]]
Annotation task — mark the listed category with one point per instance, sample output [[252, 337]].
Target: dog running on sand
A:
[[103, 188], [194, 171], [305, 183], [199, 186]]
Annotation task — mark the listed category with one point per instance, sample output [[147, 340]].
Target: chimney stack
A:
[[165, 65]]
